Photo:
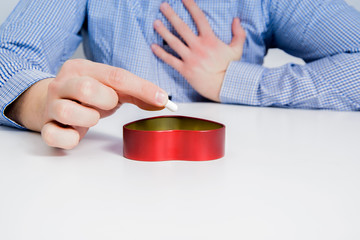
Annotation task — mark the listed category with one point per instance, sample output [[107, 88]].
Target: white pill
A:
[[171, 106]]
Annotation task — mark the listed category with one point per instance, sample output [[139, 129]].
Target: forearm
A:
[[329, 83], [34, 41]]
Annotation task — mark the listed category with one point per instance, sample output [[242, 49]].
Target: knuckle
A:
[[171, 40], [187, 72], [208, 42], [53, 87], [193, 62], [75, 62], [165, 56], [74, 65], [175, 64], [69, 64], [62, 112], [116, 78], [197, 46], [183, 25], [85, 89]]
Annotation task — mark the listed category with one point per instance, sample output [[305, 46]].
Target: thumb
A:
[[239, 36]]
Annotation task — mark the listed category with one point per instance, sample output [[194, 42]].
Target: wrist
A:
[[28, 109], [213, 89]]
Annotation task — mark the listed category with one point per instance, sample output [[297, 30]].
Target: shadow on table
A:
[[9, 129], [96, 141], [104, 141], [30, 142], [42, 150]]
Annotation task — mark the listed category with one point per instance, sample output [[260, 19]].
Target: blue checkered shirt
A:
[[40, 35]]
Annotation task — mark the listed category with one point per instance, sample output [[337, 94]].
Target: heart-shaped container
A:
[[174, 138]]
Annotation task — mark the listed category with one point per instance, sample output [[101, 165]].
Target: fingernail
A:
[[154, 47], [161, 98], [164, 6], [157, 23]]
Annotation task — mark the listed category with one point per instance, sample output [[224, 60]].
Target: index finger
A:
[[180, 26], [121, 81]]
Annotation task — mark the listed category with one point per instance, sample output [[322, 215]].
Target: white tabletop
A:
[[287, 174]]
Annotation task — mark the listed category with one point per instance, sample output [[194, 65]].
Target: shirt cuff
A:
[[241, 83], [14, 87]]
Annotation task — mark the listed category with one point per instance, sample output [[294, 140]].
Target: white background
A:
[[274, 58]]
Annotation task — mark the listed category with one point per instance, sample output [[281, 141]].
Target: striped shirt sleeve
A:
[[326, 34]]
